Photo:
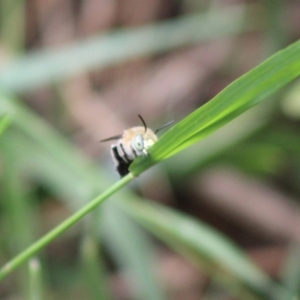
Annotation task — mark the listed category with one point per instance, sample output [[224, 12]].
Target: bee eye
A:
[[138, 143]]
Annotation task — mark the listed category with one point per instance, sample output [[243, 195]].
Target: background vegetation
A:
[[219, 220]]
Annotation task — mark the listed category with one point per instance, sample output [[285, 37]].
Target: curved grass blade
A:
[[239, 96], [43, 67], [206, 248]]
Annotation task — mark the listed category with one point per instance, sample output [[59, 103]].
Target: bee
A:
[[132, 143]]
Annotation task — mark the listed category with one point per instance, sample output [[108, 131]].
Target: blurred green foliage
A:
[[36, 159]]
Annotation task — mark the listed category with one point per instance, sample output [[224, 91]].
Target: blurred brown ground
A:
[[99, 104]]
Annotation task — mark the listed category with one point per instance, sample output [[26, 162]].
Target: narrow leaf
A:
[[241, 95]]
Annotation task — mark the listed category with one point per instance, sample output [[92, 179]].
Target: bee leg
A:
[[145, 152]]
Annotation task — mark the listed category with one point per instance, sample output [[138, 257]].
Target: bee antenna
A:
[[169, 123], [143, 121]]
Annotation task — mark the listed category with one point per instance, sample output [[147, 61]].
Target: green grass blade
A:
[[290, 273], [35, 280], [58, 230], [12, 24], [130, 247], [93, 270], [72, 164], [242, 94], [73, 178], [4, 123]]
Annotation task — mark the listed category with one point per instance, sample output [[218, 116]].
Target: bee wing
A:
[[112, 138]]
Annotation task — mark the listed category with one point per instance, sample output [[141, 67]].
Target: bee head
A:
[[141, 141]]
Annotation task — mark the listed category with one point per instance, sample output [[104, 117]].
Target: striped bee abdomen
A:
[[121, 162]]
